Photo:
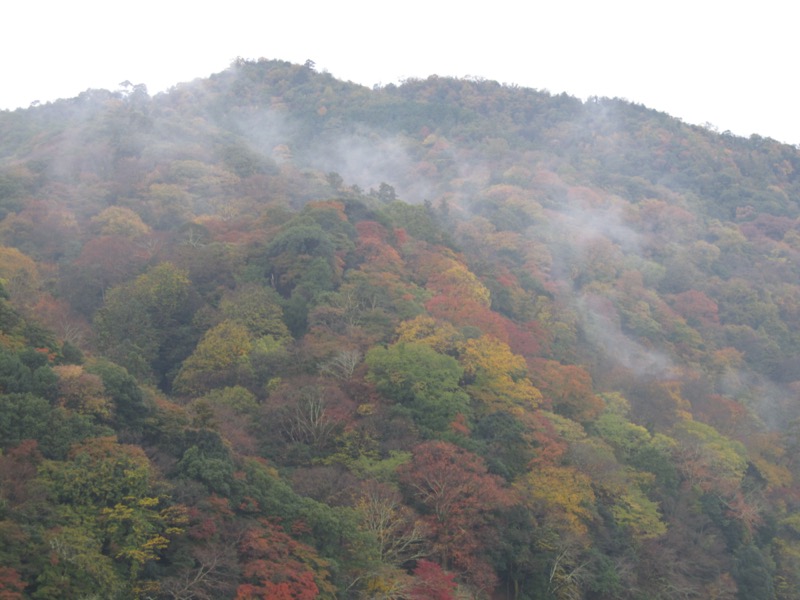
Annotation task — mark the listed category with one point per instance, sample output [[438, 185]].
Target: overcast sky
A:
[[731, 64]]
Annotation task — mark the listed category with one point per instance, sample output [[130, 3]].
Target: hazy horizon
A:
[[684, 59]]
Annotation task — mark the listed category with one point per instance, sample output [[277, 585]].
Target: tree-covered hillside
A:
[[274, 335]]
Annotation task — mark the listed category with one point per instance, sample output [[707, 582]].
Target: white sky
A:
[[728, 63]]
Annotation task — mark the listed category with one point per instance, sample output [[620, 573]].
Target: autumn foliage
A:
[[274, 335]]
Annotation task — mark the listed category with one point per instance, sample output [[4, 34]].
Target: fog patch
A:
[[366, 159], [589, 216], [269, 133], [775, 404], [602, 328]]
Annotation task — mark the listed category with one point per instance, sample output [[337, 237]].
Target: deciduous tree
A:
[[459, 496], [220, 359], [278, 567], [497, 377], [421, 380]]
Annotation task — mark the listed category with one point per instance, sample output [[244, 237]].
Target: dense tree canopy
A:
[[274, 335]]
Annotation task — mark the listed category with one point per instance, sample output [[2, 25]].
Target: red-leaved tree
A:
[[431, 583], [459, 496]]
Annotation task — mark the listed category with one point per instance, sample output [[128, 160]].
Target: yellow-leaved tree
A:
[[497, 377], [20, 275], [442, 336], [220, 359]]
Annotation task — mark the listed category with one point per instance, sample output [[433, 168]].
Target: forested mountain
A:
[[275, 335]]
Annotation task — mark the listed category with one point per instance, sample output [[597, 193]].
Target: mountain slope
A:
[[271, 334]]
